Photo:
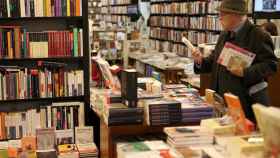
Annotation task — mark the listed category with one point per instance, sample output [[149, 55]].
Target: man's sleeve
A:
[[266, 61]]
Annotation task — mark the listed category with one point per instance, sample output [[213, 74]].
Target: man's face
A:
[[228, 20]]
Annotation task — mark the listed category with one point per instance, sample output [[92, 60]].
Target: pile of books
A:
[[162, 112], [191, 136], [147, 149], [84, 143], [117, 114], [194, 108]]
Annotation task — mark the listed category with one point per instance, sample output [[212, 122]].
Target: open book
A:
[[233, 55]]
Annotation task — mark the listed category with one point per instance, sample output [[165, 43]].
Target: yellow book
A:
[[10, 50], [68, 8]]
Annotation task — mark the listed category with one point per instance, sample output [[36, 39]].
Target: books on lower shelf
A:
[[40, 8], [24, 83], [16, 42], [43, 145], [61, 116]]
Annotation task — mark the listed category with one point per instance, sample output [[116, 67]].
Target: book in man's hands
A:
[[235, 56]]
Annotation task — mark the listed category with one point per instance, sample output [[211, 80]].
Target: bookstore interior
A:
[[139, 79]]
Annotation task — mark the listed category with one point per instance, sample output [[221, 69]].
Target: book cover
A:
[[234, 56], [83, 135], [45, 139], [236, 112]]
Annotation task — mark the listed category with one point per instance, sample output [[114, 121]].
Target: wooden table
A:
[[109, 133], [171, 74]]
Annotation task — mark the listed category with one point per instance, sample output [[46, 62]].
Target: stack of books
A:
[[191, 136], [117, 114], [46, 143], [67, 151], [84, 142], [194, 108], [140, 149], [162, 112]]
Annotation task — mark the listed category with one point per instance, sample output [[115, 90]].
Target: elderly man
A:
[[248, 84]]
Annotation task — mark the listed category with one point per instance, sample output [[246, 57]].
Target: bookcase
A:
[[59, 31], [122, 11], [170, 18]]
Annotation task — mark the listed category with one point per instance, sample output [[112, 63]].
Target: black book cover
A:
[[32, 9], [76, 116], [129, 87]]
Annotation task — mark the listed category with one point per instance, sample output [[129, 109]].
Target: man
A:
[[248, 84]]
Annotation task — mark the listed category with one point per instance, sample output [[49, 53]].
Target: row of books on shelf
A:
[[207, 22], [104, 10], [17, 42], [24, 83], [50, 143], [197, 7], [117, 2], [63, 117], [115, 18], [176, 35], [130, 9], [40, 8], [167, 46]]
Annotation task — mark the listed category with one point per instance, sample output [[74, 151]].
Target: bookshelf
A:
[[169, 19], [119, 11], [49, 21]]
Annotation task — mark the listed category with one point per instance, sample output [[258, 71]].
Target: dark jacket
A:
[[254, 40]]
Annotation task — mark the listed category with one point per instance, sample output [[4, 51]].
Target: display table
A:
[[170, 74], [109, 133]]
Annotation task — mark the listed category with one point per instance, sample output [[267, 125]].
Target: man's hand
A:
[[197, 56], [237, 71]]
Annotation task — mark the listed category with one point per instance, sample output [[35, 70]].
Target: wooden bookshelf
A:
[[46, 24]]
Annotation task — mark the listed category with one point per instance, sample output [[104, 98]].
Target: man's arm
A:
[[266, 61]]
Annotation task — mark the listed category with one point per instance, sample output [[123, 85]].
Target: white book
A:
[[54, 119], [5, 88], [71, 117], [36, 8], [81, 114], [22, 8], [233, 55], [84, 135], [41, 8], [8, 8], [49, 116]]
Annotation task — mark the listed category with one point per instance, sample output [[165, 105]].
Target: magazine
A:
[[234, 56]]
